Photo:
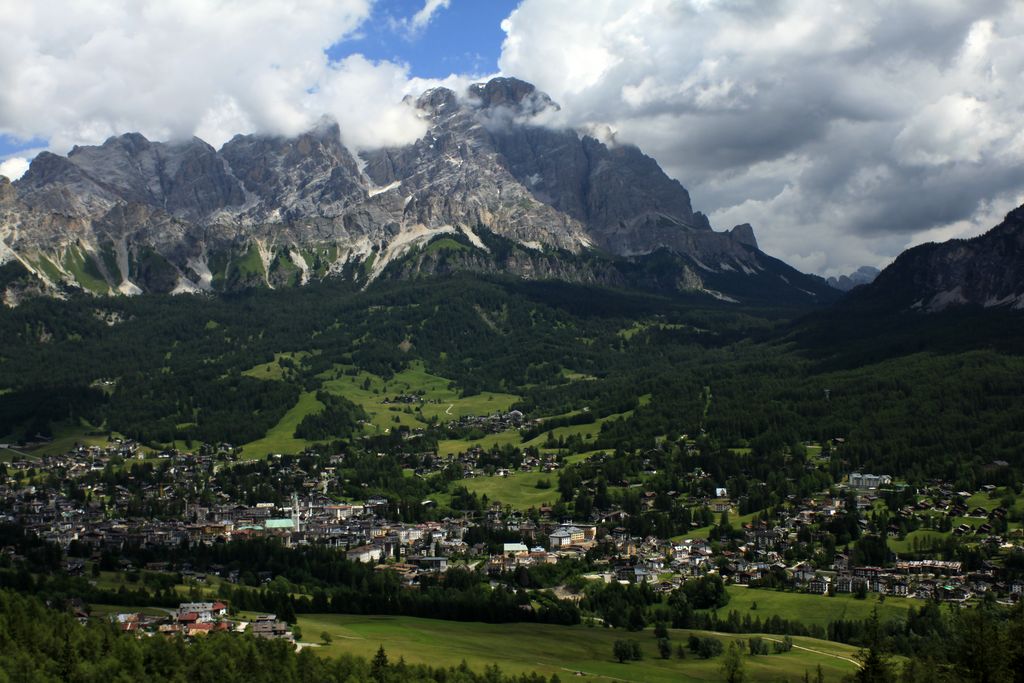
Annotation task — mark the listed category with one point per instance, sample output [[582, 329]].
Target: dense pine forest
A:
[[934, 396]]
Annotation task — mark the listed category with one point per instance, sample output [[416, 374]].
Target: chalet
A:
[[201, 611], [818, 585], [364, 553], [802, 572], [268, 626], [841, 562]]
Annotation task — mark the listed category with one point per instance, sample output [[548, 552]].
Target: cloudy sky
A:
[[843, 132]]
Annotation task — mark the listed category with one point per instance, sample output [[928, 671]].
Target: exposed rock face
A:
[[133, 215], [861, 276], [188, 179], [986, 271]]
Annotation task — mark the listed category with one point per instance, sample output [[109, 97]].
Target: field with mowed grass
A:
[[439, 399], [547, 649], [519, 489], [385, 404], [921, 538], [281, 437], [67, 435], [274, 369], [810, 609]]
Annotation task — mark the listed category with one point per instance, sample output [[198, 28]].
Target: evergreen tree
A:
[[380, 661], [874, 663], [732, 665]]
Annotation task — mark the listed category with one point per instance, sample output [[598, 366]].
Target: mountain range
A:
[[485, 189], [861, 276]]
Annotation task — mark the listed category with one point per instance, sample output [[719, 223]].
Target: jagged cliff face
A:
[[133, 215], [986, 271]]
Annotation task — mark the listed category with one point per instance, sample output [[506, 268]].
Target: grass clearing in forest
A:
[[518, 489], [274, 370], [67, 435], [562, 650], [281, 437], [810, 609], [440, 399], [923, 537]]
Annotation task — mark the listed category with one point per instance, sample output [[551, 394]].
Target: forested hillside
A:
[[936, 396]]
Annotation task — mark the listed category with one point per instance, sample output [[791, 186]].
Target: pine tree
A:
[[874, 664], [380, 661]]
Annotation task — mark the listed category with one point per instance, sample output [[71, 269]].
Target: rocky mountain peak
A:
[[271, 210], [437, 101], [512, 93], [862, 276], [744, 234]]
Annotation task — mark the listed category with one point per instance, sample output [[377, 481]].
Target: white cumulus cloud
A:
[[13, 167], [843, 131], [76, 73]]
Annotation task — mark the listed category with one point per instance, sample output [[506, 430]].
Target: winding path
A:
[[817, 652]]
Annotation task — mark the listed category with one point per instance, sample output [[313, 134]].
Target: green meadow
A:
[[808, 609], [519, 489], [281, 437], [440, 400], [562, 650]]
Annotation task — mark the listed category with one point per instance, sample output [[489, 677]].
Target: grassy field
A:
[[280, 438], [630, 332], [454, 446], [10, 455], [273, 370], [109, 610], [580, 457], [519, 489], [440, 400], [586, 431], [67, 435], [812, 609], [521, 648], [922, 536], [990, 502], [703, 532], [444, 244]]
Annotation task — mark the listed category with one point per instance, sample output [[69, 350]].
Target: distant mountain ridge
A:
[[132, 215], [861, 276], [986, 272]]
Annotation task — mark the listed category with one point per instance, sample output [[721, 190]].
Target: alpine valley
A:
[[498, 406]]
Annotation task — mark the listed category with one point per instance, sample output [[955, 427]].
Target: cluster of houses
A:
[[197, 619], [492, 424], [366, 531]]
